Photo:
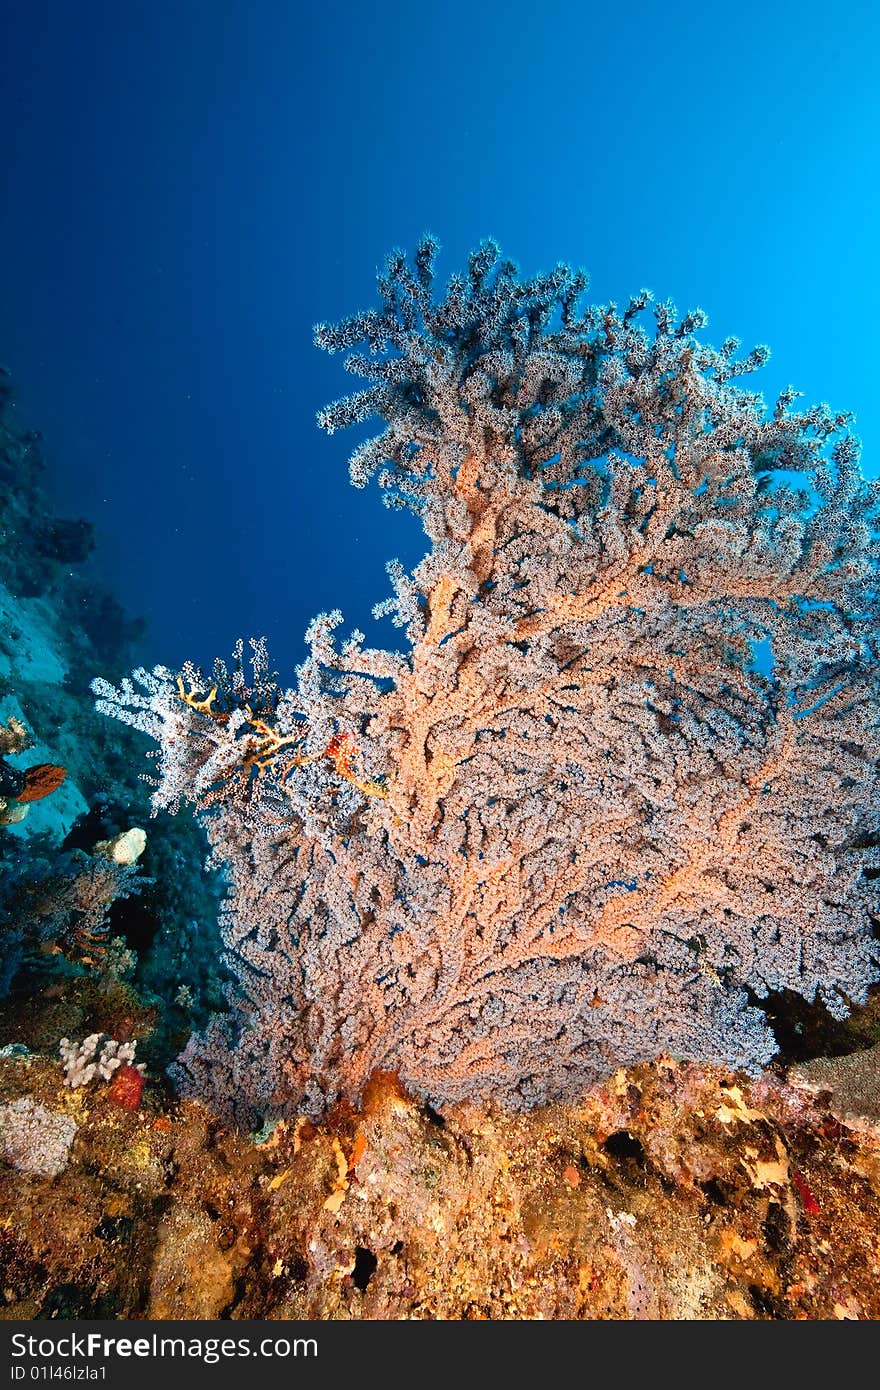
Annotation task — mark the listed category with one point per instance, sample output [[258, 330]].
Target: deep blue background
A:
[[188, 186]]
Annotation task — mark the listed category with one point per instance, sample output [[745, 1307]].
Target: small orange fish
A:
[[41, 781]]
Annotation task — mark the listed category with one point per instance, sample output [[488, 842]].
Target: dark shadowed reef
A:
[[91, 911]]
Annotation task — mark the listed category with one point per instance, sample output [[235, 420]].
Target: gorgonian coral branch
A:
[[621, 785]]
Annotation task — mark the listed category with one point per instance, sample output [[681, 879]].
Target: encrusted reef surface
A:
[[671, 1191]]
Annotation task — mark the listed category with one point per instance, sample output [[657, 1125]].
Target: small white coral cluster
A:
[[33, 1139], [97, 1055]]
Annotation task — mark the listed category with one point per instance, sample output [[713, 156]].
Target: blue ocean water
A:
[[190, 186]]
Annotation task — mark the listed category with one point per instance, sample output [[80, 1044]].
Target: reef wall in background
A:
[[83, 905]]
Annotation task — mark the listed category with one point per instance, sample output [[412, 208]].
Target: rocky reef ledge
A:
[[672, 1191]]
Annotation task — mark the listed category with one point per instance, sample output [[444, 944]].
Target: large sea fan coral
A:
[[624, 775]]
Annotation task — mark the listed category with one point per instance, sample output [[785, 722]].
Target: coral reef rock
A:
[[672, 1191]]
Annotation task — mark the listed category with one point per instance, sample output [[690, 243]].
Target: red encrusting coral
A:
[[127, 1087], [809, 1202]]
